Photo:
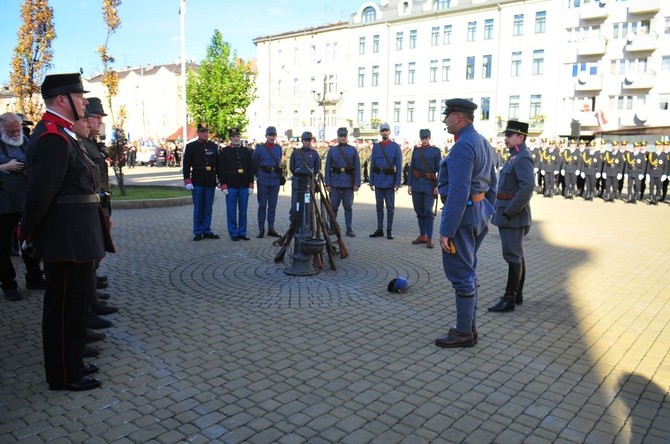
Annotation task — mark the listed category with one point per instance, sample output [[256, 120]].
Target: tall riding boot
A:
[[519, 293], [507, 302]]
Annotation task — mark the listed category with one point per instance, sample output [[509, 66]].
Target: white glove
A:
[[619, 176], [640, 176], [535, 170], [648, 178], [555, 172], [562, 172], [251, 191], [583, 175], [577, 172], [604, 175], [225, 191], [597, 175], [189, 186], [542, 172], [663, 177], [626, 175]]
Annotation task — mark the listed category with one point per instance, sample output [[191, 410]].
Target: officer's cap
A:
[[582, 142], [454, 105], [624, 142], [306, 136], [514, 126], [271, 131], [398, 285], [384, 127], [636, 144], [615, 143], [424, 133], [592, 143], [342, 132], [644, 143], [94, 107], [234, 131], [58, 84], [202, 128], [552, 142]]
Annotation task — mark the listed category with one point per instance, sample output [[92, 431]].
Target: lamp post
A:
[[323, 100]]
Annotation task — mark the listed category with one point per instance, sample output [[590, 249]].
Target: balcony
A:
[[593, 11], [637, 81], [633, 117], [594, 47], [642, 43], [586, 82], [587, 119], [640, 7]]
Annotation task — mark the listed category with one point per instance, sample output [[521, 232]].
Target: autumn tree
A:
[[110, 80], [222, 89], [32, 56]]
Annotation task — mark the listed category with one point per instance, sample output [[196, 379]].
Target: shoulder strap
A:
[[386, 157], [274, 159], [346, 161]]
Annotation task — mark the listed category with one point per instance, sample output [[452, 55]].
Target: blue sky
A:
[[149, 31]]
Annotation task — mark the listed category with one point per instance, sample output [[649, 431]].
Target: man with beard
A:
[[13, 185], [236, 177], [385, 179]]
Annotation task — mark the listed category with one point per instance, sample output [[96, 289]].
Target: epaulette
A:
[[51, 128]]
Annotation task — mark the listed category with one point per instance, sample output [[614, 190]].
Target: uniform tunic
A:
[[266, 160], [200, 165], [237, 176], [342, 173], [385, 175], [422, 177]]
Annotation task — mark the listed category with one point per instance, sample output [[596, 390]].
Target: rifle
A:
[[286, 241], [318, 260], [329, 244], [329, 210]]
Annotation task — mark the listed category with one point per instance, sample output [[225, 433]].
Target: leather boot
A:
[[508, 300], [519, 293]]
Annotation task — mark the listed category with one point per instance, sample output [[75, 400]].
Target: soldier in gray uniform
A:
[[512, 215], [342, 177], [422, 186]]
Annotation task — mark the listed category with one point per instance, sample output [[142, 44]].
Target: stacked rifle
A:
[[322, 217]]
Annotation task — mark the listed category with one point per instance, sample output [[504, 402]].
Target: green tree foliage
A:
[[219, 94], [32, 56]]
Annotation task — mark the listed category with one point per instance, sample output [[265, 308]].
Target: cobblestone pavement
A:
[[215, 343]]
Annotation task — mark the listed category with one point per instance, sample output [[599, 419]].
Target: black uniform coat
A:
[[236, 168], [200, 163]]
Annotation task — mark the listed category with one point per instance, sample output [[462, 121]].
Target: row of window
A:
[[370, 13], [620, 66], [434, 112], [619, 30]]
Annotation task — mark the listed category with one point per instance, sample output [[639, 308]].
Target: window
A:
[[296, 56], [486, 108], [441, 4], [374, 111], [361, 77], [446, 39], [663, 100], [538, 62], [518, 25], [535, 105], [435, 36], [540, 22], [432, 110], [375, 75], [361, 45], [279, 88], [295, 118], [412, 39], [396, 111], [667, 26], [398, 41], [513, 112], [296, 88], [488, 29], [312, 118], [332, 83], [486, 66], [369, 14], [411, 72], [516, 64], [375, 43], [472, 31], [446, 69], [433, 71], [665, 63], [360, 112], [590, 67], [470, 68], [398, 73], [410, 111]]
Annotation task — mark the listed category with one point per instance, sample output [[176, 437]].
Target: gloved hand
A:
[[189, 186], [225, 191], [251, 191]]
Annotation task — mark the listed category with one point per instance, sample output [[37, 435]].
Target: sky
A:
[[150, 29]]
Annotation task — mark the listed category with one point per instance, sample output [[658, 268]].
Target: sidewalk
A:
[[215, 343]]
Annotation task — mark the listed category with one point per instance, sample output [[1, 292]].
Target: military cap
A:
[[582, 142], [592, 143], [424, 133], [636, 144], [271, 131], [644, 143], [398, 285], [514, 126], [234, 131], [532, 139], [573, 142], [306, 136], [615, 143], [624, 142], [666, 143], [552, 142], [658, 142], [342, 132], [94, 107], [544, 140], [384, 127], [58, 84], [202, 128], [454, 105]]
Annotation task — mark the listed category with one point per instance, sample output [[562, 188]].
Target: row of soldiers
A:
[[591, 169]]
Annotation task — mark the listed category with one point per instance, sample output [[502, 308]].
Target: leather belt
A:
[[77, 198], [477, 197], [504, 196]]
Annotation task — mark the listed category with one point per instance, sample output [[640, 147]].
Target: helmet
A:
[[398, 285]]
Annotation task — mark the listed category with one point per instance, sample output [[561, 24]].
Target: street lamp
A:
[[322, 99]]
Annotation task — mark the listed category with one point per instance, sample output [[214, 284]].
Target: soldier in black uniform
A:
[[570, 162], [635, 166], [551, 163], [236, 176], [612, 170], [666, 171], [656, 166], [200, 161], [590, 171], [63, 222]]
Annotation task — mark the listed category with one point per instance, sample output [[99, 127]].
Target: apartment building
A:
[[569, 67]]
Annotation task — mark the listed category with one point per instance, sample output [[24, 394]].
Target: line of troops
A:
[[600, 169]]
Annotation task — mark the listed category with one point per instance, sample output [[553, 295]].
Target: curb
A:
[[152, 203]]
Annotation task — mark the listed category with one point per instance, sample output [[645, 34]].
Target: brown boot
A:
[[420, 240], [429, 243], [455, 339]]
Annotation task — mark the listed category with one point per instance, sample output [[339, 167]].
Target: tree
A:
[[219, 94], [32, 56], [110, 79]]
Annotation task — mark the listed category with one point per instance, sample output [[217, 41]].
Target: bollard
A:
[[305, 246]]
